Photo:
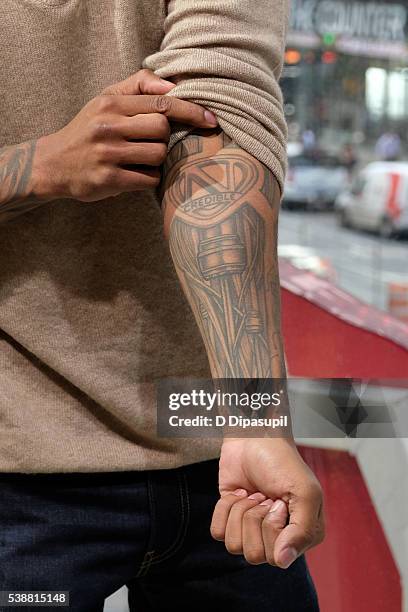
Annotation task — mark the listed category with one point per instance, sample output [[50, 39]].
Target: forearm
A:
[[221, 210]]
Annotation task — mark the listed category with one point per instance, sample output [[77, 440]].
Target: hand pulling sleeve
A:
[[227, 55]]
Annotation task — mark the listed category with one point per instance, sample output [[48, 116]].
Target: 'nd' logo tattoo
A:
[[206, 189]]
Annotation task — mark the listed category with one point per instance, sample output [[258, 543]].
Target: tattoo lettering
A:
[[222, 236], [15, 180]]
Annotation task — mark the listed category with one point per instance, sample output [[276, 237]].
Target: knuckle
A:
[[241, 505], [83, 192], [310, 490], [217, 533], [316, 486], [253, 515], [101, 129], [255, 557], [222, 503], [143, 73], [161, 104], [225, 503], [315, 491], [163, 127], [106, 176], [103, 152], [234, 547], [105, 103], [308, 538], [160, 153]]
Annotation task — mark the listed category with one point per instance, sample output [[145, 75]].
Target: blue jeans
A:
[[92, 533]]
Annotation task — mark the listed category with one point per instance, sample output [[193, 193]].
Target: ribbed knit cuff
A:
[[250, 120]]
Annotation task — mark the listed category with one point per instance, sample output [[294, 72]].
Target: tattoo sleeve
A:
[[220, 214], [16, 195]]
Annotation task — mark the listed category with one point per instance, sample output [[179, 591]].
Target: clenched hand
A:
[[270, 509]]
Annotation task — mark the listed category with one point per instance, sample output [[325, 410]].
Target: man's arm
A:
[[221, 212], [220, 209], [115, 144]]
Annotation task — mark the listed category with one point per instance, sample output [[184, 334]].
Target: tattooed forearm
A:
[[221, 210], [16, 194]]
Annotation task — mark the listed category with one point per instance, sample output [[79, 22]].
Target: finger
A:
[[272, 525], [137, 179], [141, 82], [135, 153], [172, 108], [234, 531], [221, 513], [150, 83], [187, 112], [305, 529], [145, 127], [252, 540]]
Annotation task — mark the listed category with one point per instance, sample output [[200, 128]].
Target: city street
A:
[[364, 263]]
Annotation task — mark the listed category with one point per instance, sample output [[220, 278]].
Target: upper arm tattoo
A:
[[15, 180], [221, 213]]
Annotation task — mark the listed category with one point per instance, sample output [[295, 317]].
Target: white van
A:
[[377, 199]]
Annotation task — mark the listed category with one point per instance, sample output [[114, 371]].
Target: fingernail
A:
[[210, 118], [167, 83], [287, 557], [240, 493], [267, 502], [278, 505], [257, 497]]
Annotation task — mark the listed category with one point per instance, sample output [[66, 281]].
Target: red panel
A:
[[320, 345], [353, 569], [328, 333], [393, 207]]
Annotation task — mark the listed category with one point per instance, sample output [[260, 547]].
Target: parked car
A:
[[377, 199], [314, 181]]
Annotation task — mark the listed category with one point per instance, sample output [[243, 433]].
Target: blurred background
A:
[[345, 86], [343, 249]]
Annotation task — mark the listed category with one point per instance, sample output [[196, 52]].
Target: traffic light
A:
[[292, 56], [329, 57], [328, 39]]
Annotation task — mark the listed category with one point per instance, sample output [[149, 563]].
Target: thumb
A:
[[141, 82], [299, 535]]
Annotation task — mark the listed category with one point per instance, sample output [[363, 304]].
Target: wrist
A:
[[287, 441], [47, 178]]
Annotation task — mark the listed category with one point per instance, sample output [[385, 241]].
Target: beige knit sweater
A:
[[91, 312]]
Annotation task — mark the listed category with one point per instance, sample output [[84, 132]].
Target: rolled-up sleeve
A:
[[227, 55]]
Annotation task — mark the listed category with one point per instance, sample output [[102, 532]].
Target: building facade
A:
[[346, 70]]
